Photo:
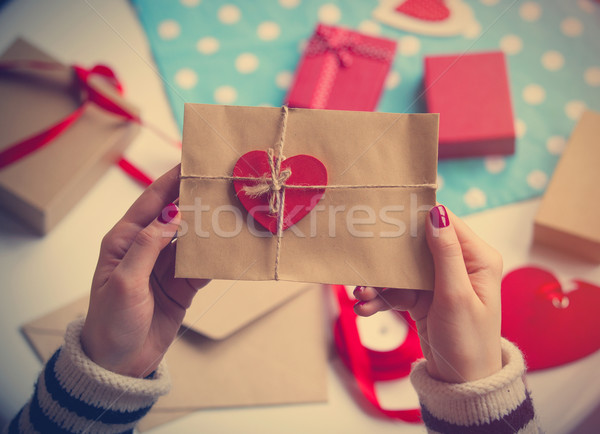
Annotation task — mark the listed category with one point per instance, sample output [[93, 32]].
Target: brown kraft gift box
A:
[[568, 215], [43, 186]]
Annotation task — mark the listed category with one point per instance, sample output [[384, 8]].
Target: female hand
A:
[[459, 322], [136, 304]]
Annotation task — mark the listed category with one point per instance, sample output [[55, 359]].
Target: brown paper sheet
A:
[[41, 188], [271, 350], [568, 215], [366, 236]]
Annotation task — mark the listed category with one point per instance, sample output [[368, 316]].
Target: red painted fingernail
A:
[[359, 289], [439, 217], [360, 303], [168, 213]]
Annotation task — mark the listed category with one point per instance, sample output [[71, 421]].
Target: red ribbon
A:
[[345, 44], [31, 144], [368, 365]]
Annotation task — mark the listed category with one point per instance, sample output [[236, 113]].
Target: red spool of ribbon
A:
[[367, 365]]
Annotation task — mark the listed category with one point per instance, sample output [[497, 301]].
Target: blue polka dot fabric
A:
[[245, 53]]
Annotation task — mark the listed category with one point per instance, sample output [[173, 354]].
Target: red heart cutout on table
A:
[[425, 10], [550, 327], [306, 170]]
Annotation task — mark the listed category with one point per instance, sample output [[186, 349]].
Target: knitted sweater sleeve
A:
[[74, 395], [499, 403]]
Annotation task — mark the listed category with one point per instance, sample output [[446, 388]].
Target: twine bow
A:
[[271, 185]]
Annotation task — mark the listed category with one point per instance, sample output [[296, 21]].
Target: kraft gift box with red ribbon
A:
[[341, 70], [62, 127], [567, 219], [324, 196]]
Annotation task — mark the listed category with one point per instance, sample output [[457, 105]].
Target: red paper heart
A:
[[306, 170], [425, 10], [551, 328]]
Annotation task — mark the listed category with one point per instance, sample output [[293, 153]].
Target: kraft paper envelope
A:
[[246, 343], [369, 227]]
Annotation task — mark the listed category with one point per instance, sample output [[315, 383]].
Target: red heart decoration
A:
[[306, 170], [550, 327], [425, 10]]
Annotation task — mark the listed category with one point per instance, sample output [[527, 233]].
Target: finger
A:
[[365, 293], [451, 278], [159, 194], [482, 261], [117, 242], [477, 253], [397, 299], [139, 260], [463, 231], [165, 267], [179, 291]]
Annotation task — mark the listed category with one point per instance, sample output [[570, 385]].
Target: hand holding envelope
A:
[[241, 343]]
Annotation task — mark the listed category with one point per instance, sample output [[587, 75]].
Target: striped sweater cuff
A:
[[499, 403], [73, 394]]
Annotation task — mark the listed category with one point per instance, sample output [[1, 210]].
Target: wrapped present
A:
[[341, 70], [321, 196], [62, 127], [568, 215], [471, 93]]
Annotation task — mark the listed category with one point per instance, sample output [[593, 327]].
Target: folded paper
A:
[[41, 184], [368, 228], [342, 70], [243, 344]]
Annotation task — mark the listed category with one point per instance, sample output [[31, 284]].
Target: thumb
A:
[[451, 277], [148, 243]]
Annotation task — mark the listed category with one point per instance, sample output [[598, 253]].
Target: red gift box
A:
[[471, 93], [341, 70]]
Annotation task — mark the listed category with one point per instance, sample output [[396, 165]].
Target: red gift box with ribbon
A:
[[62, 128], [341, 70]]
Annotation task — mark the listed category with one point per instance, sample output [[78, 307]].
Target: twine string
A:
[[275, 186], [312, 186], [279, 194], [271, 185]]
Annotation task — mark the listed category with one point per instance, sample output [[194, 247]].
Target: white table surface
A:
[[38, 275]]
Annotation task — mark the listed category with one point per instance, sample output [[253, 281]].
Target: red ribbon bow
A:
[[90, 94], [93, 95], [345, 44], [337, 41]]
